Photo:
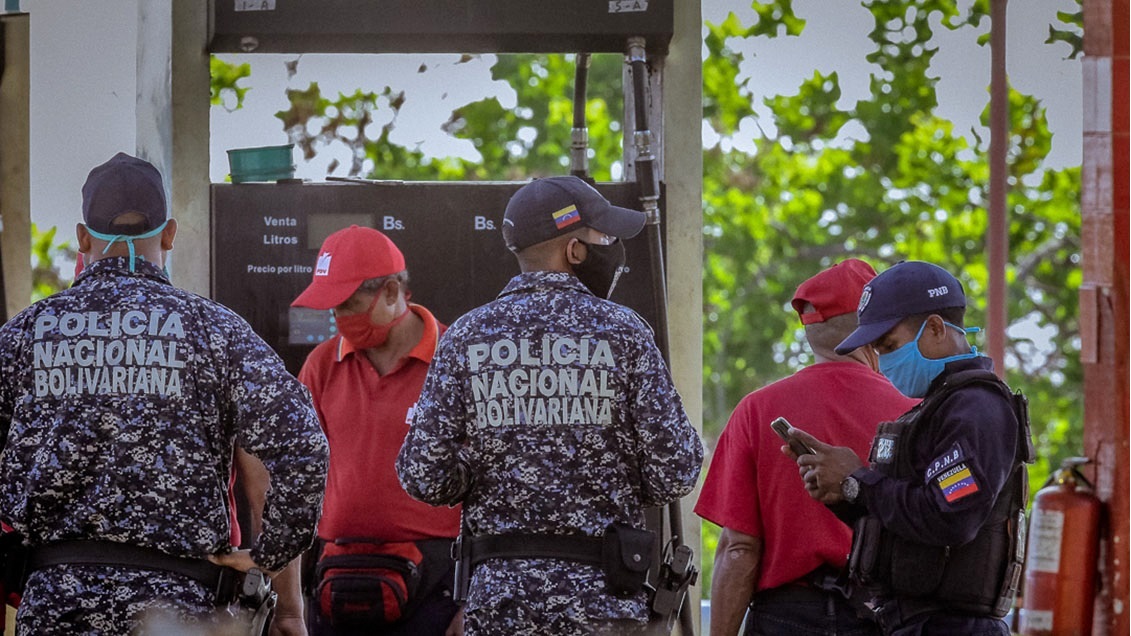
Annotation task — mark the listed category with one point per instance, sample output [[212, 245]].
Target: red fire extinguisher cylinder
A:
[[1060, 571]]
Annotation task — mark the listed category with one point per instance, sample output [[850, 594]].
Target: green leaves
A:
[[812, 114], [903, 185], [776, 18], [726, 98], [1073, 32], [531, 138], [46, 278], [223, 80]]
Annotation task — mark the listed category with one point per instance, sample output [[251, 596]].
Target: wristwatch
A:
[[850, 489]]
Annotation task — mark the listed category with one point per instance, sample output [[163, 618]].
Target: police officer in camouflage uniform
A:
[[122, 400], [549, 413]]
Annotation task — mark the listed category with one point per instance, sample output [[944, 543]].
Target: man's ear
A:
[[868, 356], [83, 236], [391, 292], [571, 258], [168, 234], [936, 328]]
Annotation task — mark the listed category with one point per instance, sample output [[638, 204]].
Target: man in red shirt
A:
[[779, 554], [365, 382]]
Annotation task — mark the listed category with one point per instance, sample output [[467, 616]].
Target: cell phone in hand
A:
[[782, 427]]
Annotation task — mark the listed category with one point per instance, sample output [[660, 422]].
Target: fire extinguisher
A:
[[1064, 539]]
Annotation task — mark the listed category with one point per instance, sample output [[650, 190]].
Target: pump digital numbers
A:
[[308, 326], [325, 223]]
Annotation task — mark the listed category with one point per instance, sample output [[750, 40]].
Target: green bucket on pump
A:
[[266, 163]]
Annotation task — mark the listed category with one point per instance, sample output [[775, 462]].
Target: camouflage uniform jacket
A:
[[549, 411], [121, 400]]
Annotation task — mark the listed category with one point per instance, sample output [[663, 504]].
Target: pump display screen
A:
[[319, 226], [266, 236], [309, 327]]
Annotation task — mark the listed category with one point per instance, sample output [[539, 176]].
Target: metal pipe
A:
[[579, 136], [645, 168], [998, 237]]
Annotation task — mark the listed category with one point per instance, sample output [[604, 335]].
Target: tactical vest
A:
[[977, 578]]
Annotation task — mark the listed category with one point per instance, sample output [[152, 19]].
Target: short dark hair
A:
[[375, 284], [130, 223], [824, 336], [953, 315]]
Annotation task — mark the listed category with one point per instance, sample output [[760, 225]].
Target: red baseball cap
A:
[[348, 258], [833, 292]]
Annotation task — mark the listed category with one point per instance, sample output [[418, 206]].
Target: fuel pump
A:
[[266, 236], [1060, 577]]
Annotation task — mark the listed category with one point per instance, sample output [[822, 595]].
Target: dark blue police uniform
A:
[[934, 487], [121, 401]]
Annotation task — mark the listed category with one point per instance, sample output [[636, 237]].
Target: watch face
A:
[[850, 488]]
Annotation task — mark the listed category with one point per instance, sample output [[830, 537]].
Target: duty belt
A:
[[223, 582], [894, 613], [536, 546]]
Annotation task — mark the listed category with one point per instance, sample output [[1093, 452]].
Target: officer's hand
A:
[[287, 626], [238, 560], [825, 469]]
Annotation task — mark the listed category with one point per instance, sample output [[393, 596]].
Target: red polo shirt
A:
[[754, 489], [364, 415]]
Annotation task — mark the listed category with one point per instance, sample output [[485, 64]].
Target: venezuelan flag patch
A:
[[566, 216], [956, 483]]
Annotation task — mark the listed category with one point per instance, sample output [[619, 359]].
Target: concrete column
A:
[[15, 159], [1104, 294], [682, 172], [173, 126]]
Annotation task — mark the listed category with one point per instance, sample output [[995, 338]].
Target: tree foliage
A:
[[529, 139], [46, 256], [224, 79], [908, 187], [1070, 31]]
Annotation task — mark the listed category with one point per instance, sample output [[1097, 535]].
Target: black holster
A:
[[626, 556], [13, 563]]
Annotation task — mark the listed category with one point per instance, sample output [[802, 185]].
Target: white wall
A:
[[83, 62]]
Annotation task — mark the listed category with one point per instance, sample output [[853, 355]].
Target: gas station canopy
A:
[[438, 26]]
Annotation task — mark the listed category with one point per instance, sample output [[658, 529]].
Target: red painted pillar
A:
[[1104, 323], [998, 234]]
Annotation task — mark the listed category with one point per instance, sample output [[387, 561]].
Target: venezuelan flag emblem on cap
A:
[[566, 216]]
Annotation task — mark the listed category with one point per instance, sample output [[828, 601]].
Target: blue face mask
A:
[[910, 372]]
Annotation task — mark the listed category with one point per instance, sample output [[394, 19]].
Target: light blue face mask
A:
[[912, 373], [128, 240]]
